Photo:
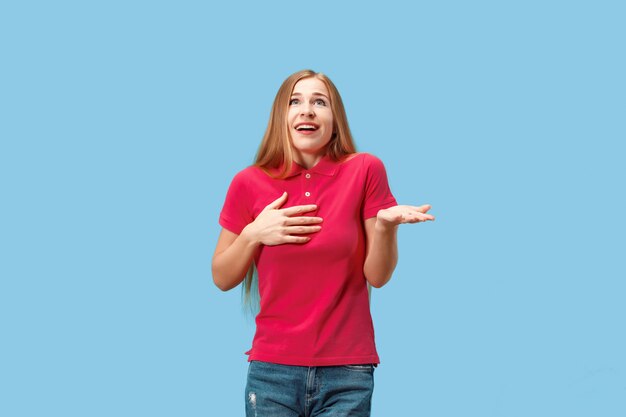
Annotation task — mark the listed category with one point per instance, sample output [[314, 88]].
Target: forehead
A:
[[310, 86]]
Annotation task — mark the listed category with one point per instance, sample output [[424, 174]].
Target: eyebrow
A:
[[315, 94]]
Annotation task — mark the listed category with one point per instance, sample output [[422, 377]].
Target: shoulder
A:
[[247, 174], [368, 160], [364, 158], [363, 163], [242, 182]]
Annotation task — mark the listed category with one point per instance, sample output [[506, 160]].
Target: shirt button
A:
[[308, 194], [307, 175]]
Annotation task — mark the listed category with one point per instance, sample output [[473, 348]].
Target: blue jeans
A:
[[274, 390]]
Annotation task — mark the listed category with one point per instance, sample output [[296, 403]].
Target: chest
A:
[[339, 200]]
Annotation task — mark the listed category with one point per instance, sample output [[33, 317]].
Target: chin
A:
[[309, 145]]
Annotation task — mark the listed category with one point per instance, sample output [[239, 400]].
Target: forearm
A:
[[382, 256], [230, 266]]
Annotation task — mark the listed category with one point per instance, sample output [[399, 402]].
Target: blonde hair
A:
[[276, 149]]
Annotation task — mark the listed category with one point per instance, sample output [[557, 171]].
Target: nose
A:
[[306, 110]]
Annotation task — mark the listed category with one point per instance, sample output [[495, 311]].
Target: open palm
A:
[[404, 214]]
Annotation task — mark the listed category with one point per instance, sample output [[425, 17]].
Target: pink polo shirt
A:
[[314, 308]]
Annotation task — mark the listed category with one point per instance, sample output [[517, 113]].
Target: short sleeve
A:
[[236, 213], [378, 196]]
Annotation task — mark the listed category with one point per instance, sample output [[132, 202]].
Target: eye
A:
[[319, 102], [294, 101]]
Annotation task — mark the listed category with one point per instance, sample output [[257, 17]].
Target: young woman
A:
[[318, 222]]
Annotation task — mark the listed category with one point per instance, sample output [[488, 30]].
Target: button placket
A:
[[307, 184]]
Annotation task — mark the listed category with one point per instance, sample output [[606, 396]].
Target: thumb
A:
[[277, 203]]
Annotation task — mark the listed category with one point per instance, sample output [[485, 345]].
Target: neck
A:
[[306, 160]]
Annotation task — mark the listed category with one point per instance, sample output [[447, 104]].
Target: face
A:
[[310, 117]]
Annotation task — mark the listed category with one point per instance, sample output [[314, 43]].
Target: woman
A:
[[319, 223]]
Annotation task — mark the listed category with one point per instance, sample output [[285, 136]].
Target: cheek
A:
[[330, 123], [290, 115]]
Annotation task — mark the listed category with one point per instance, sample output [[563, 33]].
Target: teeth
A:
[[305, 127]]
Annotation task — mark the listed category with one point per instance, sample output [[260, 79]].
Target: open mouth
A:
[[306, 127]]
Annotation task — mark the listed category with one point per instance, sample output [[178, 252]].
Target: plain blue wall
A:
[[122, 124]]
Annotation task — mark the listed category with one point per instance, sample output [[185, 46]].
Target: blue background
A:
[[122, 124]]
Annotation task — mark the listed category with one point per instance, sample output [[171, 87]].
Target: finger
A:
[[416, 216], [422, 209], [301, 230], [290, 211], [300, 220], [278, 202], [295, 239], [424, 216]]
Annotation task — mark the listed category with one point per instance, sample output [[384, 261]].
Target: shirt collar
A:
[[324, 166]]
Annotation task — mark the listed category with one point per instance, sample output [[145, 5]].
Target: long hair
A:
[[276, 152]]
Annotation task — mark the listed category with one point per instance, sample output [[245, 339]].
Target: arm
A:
[[232, 258], [382, 252], [381, 255]]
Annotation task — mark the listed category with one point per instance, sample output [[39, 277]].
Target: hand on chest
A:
[[338, 199]]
